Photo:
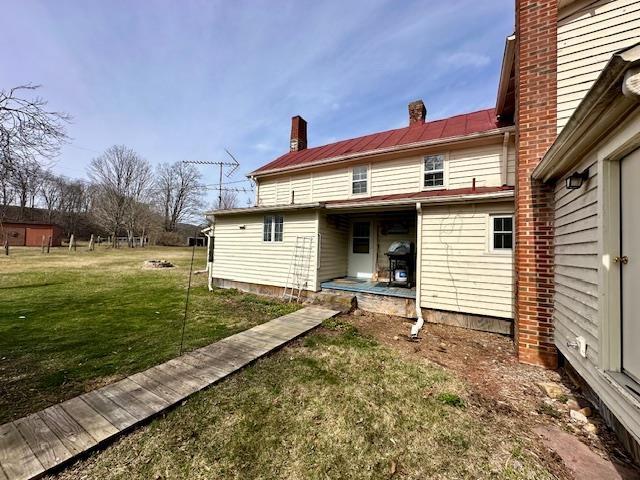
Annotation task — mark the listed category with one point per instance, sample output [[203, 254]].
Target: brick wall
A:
[[536, 66]]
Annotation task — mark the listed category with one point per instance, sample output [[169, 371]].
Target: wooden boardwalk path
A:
[[33, 445]]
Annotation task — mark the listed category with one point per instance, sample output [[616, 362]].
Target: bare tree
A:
[[51, 190], [28, 130], [24, 175], [178, 192], [229, 199], [122, 179]]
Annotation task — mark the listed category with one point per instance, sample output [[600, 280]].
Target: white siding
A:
[[576, 262], [241, 255], [396, 176], [403, 175], [586, 41], [334, 245], [458, 272]]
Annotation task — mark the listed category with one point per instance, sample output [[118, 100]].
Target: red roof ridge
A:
[[462, 124]]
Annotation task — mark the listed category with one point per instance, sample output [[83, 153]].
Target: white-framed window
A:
[[273, 228], [501, 233], [359, 178], [433, 171]]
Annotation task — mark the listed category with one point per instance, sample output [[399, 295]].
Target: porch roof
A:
[[453, 195]]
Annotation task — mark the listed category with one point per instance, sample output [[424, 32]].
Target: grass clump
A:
[[450, 399]]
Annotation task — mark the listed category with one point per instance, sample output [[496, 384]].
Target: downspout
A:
[[505, 159], [415, 328]]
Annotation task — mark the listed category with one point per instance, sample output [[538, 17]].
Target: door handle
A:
[[623, 260]]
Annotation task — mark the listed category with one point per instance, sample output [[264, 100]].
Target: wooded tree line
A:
[[124, 194]]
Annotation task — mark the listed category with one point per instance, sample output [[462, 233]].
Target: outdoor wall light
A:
[[576, 179]]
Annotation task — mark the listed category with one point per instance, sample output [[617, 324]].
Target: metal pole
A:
[[220, 190]]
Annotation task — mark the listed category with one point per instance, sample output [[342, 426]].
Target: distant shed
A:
[[27, 234]]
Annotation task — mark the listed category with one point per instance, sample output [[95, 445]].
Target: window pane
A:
[[359, 187], [508, 240], [266, 229], [359, 173], [360, 245], [434, 179], [497, 240], [361, 229], [279, 228], [507, 224], [433, 162], [497, 224]]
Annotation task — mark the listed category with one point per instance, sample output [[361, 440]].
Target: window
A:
[[434, 171], [502, 233], [359, 180], [361, 234], [273, 228]]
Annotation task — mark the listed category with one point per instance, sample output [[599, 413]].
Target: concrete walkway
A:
[[33, 445]]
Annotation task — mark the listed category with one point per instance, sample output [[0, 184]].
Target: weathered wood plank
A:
[[16, 457], [166, 377], [204, 367], [48, 448], [70, 433], [118, 416], [133, 398], [93, 423], [156, 387]]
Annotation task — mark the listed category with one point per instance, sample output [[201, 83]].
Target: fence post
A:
[[43, 240], [72, 242], [49, 244], [91, 243], [6, 244]]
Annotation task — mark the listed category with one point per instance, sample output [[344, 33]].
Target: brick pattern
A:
[[536, 68], [417, 112], [298, 134]]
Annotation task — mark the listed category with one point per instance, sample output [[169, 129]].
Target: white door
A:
[[361, 249], [630, 263]]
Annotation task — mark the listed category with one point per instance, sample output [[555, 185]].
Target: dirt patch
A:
[[498, 382]]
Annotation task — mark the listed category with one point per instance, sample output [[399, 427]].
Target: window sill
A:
[[439, 187]]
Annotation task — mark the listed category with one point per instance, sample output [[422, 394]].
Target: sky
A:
[[183, 80]]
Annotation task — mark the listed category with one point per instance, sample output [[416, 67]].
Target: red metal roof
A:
[[426, 194], [456, 126]]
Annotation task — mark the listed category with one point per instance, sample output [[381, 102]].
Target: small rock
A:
[[591, 428], [578, 416], [357, 313], [551, 390], [586, 411], [396, 338]]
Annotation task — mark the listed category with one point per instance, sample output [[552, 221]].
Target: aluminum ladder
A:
[[298, 276]]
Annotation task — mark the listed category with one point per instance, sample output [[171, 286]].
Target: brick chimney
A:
[[417, 112], [298, 134], [536, 60]]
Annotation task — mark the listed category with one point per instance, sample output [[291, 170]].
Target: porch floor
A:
[[352, 284]]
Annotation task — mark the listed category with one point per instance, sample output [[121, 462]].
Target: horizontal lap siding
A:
[[458, 273], [482, 163], [576, 262], [586, 41], [403, 175], [334, 234], [397, 176], [241, 255]]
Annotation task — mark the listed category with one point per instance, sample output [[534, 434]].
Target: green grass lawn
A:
[[70, 322], [334, 404]]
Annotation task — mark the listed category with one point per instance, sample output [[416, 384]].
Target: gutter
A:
[[382, 151], [266, 208], [505, 72], [416, 327]]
